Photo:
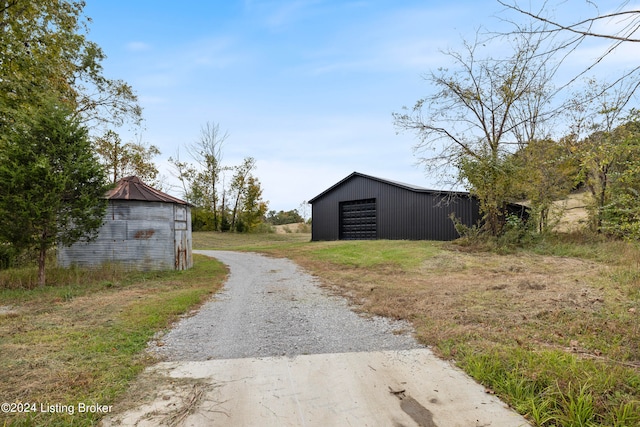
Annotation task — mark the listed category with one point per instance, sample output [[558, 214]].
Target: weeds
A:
[[552, 388], [84, 339]]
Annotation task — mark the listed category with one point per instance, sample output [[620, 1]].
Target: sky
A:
[[306, 87]]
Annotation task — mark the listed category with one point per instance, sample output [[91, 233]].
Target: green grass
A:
[[247, 241], [553, 388], [485, 310], [364, 254], [83, 338], [85, 341]]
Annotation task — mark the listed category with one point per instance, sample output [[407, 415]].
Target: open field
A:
[[82, 340], [554, 329]]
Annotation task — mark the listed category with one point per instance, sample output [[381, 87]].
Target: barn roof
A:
[[132, 188], [409, 187]]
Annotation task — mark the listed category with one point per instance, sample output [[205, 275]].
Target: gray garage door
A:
[[358, 219]]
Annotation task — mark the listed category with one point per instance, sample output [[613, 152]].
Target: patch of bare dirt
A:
[[155, 399]]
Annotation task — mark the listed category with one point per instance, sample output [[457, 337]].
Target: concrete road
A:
[[390, 388]]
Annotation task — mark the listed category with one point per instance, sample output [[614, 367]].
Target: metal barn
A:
[[144, 229], [365, 207]]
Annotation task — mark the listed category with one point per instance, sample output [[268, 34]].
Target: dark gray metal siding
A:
[[401, 213]]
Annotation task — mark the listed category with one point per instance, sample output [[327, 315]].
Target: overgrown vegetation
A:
[[282, 217], [552, 327], [505, 122], [51, 185], [82, 338], [53, 96]]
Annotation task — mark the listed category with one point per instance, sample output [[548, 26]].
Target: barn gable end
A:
[[144, 229], [366, 207]]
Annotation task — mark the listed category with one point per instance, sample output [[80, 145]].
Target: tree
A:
[[282, 217], [132, 158], [545, 173], [239, 186], [597, 116], [220, 204], [205, 184], [51, 185], [621, 215], [44, 50], [253, 207], [618, 27], [478, 115]]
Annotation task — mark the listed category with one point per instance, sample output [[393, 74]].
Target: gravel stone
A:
[[271, 307]]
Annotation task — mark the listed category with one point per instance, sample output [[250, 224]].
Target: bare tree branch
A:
[[633, 26]]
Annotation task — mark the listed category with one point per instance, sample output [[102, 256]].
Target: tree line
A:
[[60, 150], [505, 125], [225, 197]]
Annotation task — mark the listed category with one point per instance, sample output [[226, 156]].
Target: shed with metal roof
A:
[[366, 207], [144, 229]]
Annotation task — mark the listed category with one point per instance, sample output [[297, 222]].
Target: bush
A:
[[8, 256]]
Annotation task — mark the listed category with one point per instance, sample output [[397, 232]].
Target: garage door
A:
[[358, 219]]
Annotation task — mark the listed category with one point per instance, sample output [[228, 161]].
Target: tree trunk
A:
[[42, 256], [235, 211]]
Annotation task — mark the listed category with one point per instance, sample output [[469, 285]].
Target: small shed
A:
[[365, 207], [144, 229]]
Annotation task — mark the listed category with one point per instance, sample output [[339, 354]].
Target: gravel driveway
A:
[[270, 307], [225, 366]]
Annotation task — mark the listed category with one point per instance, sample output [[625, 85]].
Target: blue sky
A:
[[306, 87]]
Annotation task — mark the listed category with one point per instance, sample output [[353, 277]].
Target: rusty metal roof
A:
[[132, 188]]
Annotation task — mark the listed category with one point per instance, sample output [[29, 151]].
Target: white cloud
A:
[[137, 46]]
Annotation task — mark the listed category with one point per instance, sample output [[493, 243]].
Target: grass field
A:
[[81, 340], [553, 329]]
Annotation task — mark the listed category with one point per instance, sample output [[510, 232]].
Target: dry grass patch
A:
[[84, 342], [451, 294]]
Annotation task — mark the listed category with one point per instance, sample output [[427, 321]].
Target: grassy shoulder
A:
[[553, 329], [83, 339]]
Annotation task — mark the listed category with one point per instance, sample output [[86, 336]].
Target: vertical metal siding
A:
[[136, 234], [182, 238], [401, 213]]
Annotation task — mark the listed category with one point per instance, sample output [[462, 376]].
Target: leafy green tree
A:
[[131, 158], [598, 116], [478, 114], [44, 50], [621, 213], [545, 173], [239, 187], [51, 184], [253, 207], [282, 217]]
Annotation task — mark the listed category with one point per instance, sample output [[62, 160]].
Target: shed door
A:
[[358, 220]]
